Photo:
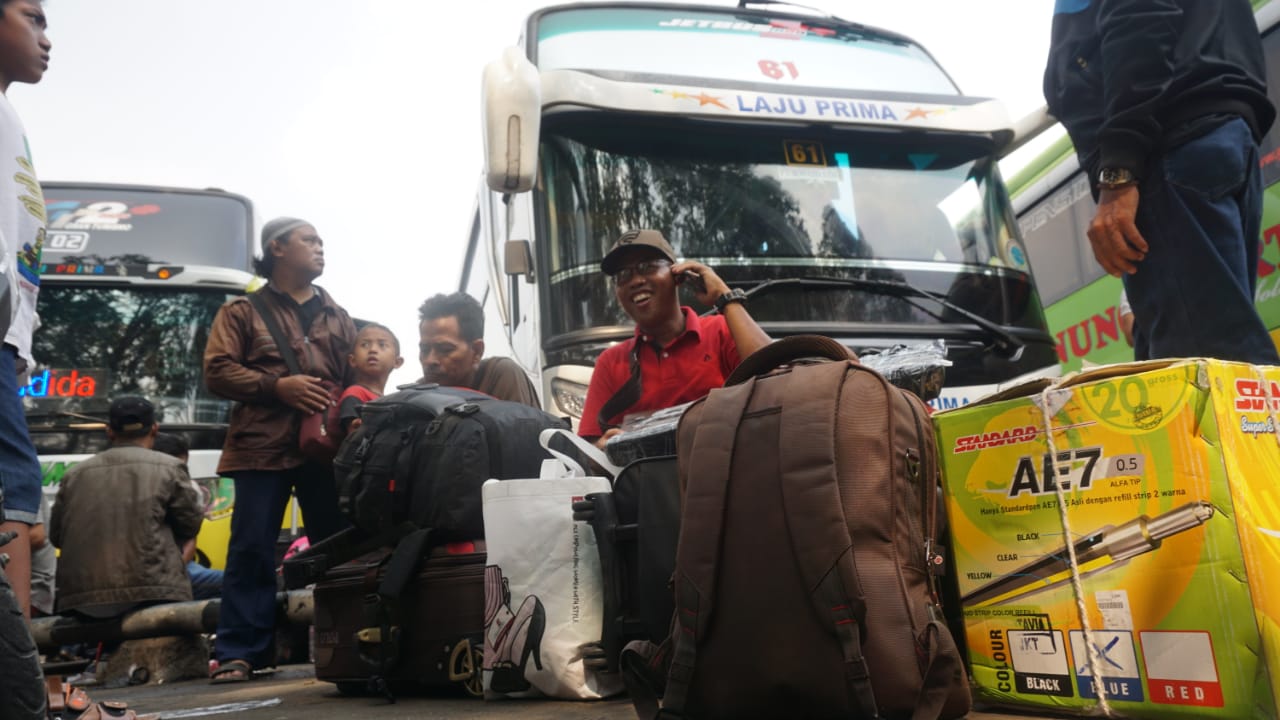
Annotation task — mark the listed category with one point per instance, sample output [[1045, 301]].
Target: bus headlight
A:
[[569, 396]]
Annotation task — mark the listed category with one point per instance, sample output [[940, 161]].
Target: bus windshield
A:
[[96, 343], [757, 204]]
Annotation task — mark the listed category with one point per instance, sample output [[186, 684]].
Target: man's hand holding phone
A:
[[705, 283]]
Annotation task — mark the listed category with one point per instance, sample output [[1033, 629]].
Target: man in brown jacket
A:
[[242, 363], [117, 517]]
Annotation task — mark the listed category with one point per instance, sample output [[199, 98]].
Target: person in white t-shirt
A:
[[24, 57]]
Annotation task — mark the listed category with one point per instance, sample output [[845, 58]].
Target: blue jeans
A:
[[1201, 212], [206, 583], [246, 623], [20, 474]]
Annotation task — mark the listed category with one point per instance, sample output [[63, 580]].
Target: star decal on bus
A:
[[702, 97], [919, 112], [705, 99]]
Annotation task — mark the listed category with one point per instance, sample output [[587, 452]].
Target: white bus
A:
[[832, 170], [131, 279]]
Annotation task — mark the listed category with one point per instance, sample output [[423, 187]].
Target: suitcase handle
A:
[[786, 350]]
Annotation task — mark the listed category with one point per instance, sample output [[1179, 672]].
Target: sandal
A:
[[231, 671], [113, 710], [65, 701]]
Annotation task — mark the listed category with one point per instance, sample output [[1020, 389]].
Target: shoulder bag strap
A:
[[625, 396], [282, 343]]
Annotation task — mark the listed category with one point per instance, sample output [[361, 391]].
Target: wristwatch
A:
[[1112, 178], [736, 295]]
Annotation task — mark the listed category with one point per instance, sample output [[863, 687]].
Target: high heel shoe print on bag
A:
[[510, 637]]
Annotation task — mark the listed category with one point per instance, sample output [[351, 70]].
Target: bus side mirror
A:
[[1028, 128], [511, 99], [518, 259]]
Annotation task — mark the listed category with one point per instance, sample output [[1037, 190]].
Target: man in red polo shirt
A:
[[675, 355]]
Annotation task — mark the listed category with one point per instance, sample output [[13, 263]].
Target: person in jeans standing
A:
[[1166, 101], [24, 57], [243, 363]]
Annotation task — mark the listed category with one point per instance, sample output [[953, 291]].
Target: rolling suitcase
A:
[[438, 636], [637, 527]]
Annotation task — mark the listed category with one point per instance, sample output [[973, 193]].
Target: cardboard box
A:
[[1153, 524]]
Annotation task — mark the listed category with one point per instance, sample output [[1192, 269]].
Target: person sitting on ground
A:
[[675, 356], [116, 517], [451, 350], [44, 563], [375, 355], [206, 583]]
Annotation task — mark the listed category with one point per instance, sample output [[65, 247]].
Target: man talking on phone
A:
[[675, 356]]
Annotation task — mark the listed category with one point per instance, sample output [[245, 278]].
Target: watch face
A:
[[1114, 176]]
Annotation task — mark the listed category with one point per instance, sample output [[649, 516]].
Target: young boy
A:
[[376, 354], [24, 57]]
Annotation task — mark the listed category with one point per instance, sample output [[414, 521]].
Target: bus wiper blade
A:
[[65, 414], [1005, 343]]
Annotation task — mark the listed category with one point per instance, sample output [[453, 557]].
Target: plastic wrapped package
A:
[[646, 435], [919, 368]]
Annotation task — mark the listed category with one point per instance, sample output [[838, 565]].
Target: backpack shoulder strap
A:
[[701, 533], [815, 515], [259, 303]]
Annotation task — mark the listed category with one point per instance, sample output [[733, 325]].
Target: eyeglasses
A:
[[646, 268]]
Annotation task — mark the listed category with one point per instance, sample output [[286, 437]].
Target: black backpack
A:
[[414, 469], [421, 454]]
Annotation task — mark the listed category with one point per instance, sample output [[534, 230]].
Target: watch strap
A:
[[735, 295]]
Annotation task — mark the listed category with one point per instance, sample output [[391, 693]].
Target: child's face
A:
[[375, 354], [24, 48]]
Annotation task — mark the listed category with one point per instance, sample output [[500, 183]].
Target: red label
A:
[[1251, 395], [1185, 692], [995, 438]]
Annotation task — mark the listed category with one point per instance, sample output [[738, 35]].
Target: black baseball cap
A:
[[131, 413], [636, 238]]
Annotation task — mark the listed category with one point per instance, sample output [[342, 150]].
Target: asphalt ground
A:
[[293, 693]]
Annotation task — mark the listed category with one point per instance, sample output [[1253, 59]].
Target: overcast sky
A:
[[362, 116]]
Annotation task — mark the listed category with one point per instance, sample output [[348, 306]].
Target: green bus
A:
[[1054, 207]]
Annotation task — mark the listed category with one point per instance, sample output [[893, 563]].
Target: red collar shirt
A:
[[686, 369]]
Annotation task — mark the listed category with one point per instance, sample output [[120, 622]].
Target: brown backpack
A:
[[802, 581]]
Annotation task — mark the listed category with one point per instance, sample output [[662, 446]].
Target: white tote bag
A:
[[544, 592]]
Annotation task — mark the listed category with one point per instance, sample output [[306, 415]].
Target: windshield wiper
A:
[[1006, 344], [35, 417], [64, 414]]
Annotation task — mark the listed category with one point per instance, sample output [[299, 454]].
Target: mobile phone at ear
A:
[[694, 280]]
